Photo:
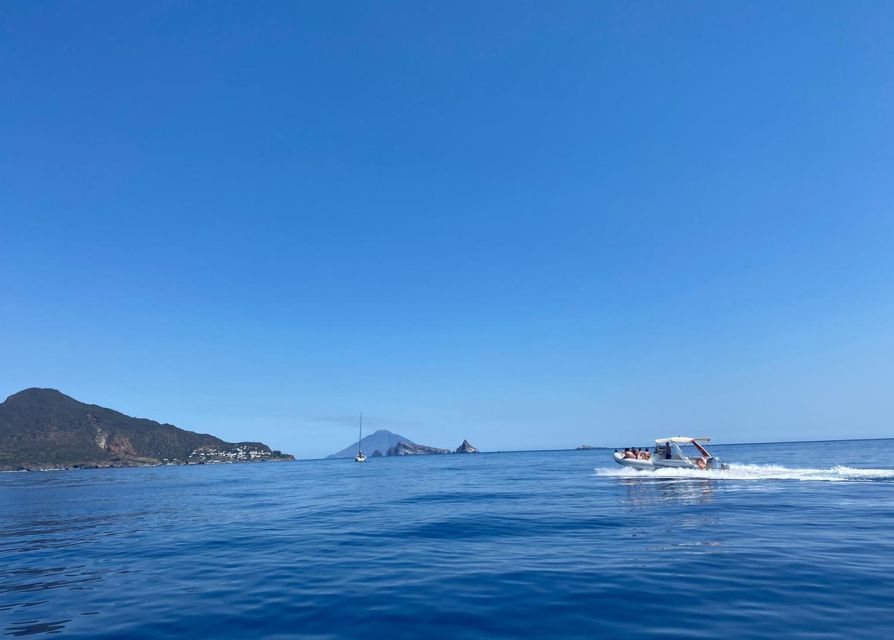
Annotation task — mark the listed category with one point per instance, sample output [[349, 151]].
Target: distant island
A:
[[466, 447], [46, 429], [393, 444]]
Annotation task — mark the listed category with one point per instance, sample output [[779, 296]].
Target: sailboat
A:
[[360, 457]]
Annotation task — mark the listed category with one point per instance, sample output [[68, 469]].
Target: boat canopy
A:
[[681, 440]]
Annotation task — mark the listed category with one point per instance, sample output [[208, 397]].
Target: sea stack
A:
[[466, 447]]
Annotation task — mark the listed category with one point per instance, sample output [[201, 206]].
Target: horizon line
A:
[[604, 448]]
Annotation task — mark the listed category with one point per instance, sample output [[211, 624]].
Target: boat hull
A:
[[633, 463], [664, 463]]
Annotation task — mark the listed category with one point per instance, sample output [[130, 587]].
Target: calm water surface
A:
[[796, 540]]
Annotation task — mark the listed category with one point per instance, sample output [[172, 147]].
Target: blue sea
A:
[[795, 540]]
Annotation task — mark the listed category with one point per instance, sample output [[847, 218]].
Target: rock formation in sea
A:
[[410, 449], [376, 454], [46, 429], [465, 447]]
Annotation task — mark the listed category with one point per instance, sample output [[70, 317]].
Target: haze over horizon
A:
[[525, 225]]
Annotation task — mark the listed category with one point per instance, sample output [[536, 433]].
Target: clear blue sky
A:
[[526, 224]]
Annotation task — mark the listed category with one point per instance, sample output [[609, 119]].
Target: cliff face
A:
[[43, 428]]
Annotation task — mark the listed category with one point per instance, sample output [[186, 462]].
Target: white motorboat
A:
[[676, 452]]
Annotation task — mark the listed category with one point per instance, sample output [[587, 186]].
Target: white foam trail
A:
[[758, 472]]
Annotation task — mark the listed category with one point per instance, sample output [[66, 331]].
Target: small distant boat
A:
[[360, 457], [669, 453]]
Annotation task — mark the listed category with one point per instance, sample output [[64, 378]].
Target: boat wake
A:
[[759, 472]]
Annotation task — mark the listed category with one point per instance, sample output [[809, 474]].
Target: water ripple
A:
[[489, 546]]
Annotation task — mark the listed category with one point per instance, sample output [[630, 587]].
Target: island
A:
[[378, 442], [394, 444], [46, 429], [465, 447], [410, 449]]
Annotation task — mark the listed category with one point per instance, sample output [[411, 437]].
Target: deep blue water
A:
[[796, 541]]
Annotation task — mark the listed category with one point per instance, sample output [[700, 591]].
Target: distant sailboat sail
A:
[[360, 457]]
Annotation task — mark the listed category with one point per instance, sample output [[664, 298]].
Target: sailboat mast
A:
[[360, 437]]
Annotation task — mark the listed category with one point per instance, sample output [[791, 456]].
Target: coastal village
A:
[[238, 453]]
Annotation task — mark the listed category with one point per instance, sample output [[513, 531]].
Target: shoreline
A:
[[135, 465]]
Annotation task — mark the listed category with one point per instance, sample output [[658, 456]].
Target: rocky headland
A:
[[46, 429]]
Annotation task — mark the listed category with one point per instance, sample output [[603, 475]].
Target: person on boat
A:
[[628, 453], [667, 451], [701, 464], [646, 455]]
